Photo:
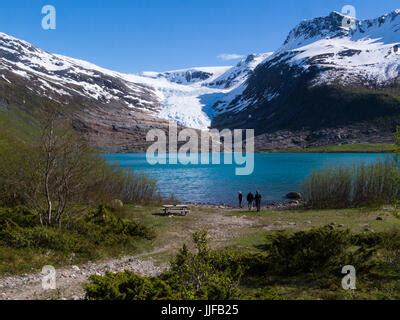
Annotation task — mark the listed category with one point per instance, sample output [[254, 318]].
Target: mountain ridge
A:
[[326, 75]]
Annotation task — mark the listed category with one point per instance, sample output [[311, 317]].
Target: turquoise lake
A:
[[275, 174]]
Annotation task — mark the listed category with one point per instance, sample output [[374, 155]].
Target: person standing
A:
[[257, 198], [250, 199], [240, 198]]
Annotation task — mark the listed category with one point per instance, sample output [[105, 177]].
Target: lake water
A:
[[275, 174]]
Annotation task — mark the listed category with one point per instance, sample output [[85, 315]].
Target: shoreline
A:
[[279, 205], [330, 149]]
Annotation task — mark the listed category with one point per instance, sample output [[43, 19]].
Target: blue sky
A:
[[139, 35]]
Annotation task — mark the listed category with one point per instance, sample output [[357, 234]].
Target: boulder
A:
[[293, 196], [116, 204]]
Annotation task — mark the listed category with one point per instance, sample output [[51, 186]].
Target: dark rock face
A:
[[282, 97], [330, 26], [353, 134], [189, 76], [4, 104]]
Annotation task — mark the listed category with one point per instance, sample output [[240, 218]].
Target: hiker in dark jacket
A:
[[257, 199], [250, 199], [240, 198]]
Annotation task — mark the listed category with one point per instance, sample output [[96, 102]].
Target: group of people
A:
[[252, 200]]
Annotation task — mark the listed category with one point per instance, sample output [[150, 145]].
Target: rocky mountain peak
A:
[[322, 27]]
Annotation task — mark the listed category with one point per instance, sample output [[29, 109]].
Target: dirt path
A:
[[70, 280]]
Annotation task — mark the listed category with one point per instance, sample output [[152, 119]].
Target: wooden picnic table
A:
[[180, 209]]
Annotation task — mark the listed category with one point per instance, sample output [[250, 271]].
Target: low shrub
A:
[[390, 249], [201, 275], [19, 229], [309, 263], [127, 286], [20, 216], [306, 251], [103, 225], [44, 238]]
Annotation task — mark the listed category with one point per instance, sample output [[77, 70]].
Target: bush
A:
[[103, 226], [201, 275], [322, 251], [20, 216], [44, 238], [359, 185], [390, 249], [127, 286], [19, 229], [306, 251], [308, 263]]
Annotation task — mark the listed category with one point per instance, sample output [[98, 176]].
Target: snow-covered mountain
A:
[[185, 96], [327, 73], [61, 78], [363, 54]]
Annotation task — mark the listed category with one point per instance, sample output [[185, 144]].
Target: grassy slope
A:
[[227, 228], [17, 124], [243, 229], [296, 220]]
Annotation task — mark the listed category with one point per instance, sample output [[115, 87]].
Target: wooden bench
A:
[[179, 210]]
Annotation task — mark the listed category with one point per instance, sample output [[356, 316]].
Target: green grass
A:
[[357, 148], [344, 148], [296, 220], [173, 232], [18, 124]]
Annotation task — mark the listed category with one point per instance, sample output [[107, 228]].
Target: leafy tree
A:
[[57, 174]]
